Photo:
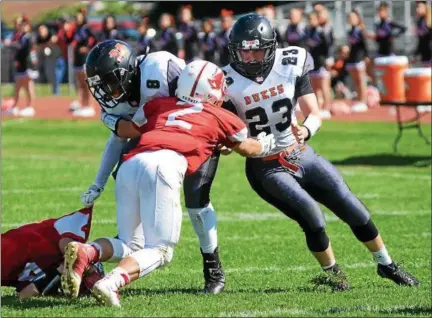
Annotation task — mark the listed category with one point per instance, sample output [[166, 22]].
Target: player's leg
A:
[[283, 191], [79, 256], [326, 184], [202, 214], [161, 175]]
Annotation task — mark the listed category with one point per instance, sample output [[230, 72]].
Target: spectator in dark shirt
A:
[[109, 29], [188, 44], [226, 18], [145, 40], [356, 60], [318, 46], [295, 32], [423, 31], [84, 41], [385, 31], [207, 41], [25, 63], [166, 39]]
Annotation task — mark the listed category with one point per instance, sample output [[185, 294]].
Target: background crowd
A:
[[42, 52]]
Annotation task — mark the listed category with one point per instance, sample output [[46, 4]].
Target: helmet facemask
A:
[[253, 68], [112, 89]]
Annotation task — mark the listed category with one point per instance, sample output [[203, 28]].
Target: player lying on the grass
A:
[[121, 82], [178, 135], [32, 254], [264, 84]]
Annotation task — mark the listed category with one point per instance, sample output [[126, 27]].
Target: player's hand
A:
[[89, 197], [267, 142], [224, 149], [300, 133]]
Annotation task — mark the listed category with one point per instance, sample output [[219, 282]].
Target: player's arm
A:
[[307, 100], [309, 107], [234, 135], [108, 161]]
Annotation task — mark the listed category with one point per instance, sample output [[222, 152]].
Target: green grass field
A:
[[46, 164]]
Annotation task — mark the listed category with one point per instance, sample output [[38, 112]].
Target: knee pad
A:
[[365, 233], [317, 240], [120, 249], [204, 223]]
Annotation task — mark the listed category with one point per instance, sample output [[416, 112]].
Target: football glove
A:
[[268, 143], [89, 197]]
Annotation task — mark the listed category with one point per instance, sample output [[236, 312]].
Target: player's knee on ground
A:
[[317, 239], [204, 223], [365, 233], [167, 254]]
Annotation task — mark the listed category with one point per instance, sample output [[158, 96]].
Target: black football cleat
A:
[[397, 274], [213, 273], [333, 277]]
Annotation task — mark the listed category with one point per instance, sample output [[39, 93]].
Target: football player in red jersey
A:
[[32, 254], [177, 134]]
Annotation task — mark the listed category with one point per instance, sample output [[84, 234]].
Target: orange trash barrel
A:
[[389, 77], [418, 85]]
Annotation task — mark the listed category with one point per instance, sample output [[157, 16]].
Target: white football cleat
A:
[[106, 292], [74, 105], [359, 108], [87, 111], [11, 111], [27, 112], [325, 114]]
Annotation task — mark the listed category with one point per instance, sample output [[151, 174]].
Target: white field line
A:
[[255, 216], [303, 268], [350, 172], [312, 312], [7, 123], [347, 172]]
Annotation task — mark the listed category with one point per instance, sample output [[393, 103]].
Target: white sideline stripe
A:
[[13, 122], [22, 191], [349, 172], [303, 268], [312, 312], [265, 313], [74, 189], [248, 216]]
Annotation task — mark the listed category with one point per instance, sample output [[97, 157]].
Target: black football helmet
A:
[[252, 32], [110, 68]]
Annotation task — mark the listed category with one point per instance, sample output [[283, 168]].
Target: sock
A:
[[382, 257], [333, 263], [119, 276], [98, 251]]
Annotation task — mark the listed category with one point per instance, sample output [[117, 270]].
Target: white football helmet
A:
[[201, 82]]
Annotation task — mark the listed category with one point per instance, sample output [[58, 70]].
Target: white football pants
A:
[[149, 213]]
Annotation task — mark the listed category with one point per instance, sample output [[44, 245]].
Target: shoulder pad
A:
[[294, 57]]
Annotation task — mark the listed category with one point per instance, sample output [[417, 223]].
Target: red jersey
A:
[[31, 248], [191, 130]]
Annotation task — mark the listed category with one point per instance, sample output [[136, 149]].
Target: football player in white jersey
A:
[[264, 85], [121, 82]]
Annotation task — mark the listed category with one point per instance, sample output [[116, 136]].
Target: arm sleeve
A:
[[233, 130], [303, 86], [400, 29], [109, 159]]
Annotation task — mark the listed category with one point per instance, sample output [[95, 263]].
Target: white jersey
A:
[[159, 72], [270, 105]]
